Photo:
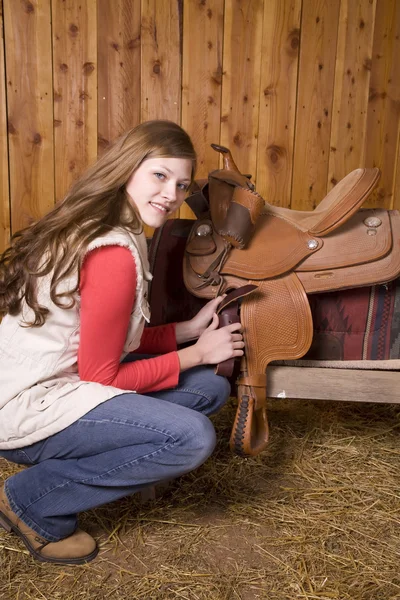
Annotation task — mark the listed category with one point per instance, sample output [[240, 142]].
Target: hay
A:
[[315, 517]]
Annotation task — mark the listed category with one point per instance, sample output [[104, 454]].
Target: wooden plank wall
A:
[[302, 91]]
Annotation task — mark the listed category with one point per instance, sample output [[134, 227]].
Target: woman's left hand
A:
[[192, 330]]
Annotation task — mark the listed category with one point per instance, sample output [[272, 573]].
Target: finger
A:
[[237, 337], [238, 344], [214, 323], [218, 300], [238, 353], [234, 327]]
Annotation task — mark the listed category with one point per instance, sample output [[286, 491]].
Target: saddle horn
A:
[[229, 163]]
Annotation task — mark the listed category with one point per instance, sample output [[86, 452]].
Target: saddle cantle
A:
[[242, 241]]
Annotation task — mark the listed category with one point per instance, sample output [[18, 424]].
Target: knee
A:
[[220, 390], [197, 440]]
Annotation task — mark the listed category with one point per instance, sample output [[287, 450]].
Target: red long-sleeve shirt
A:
[[107, 289]]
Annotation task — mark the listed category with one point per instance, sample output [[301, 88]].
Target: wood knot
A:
[[368, 64], [115, 46], [11, 128], [217, 75], [237, 140], [37, 138], [294, 40], [88, 68], [209, 13], [63, 67], [294, 43], [134, 43], [102, 142], [73, 30], [29, 8], [157, 67], [333, 181], [275, 153]]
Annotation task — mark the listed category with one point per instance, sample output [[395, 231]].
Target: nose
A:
[[169, 191]]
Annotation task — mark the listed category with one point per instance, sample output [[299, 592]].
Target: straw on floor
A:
[[316, 516]]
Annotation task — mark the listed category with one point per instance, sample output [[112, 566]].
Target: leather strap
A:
[[259, 380], [228, 312], [198, 203], [229, 315], [234, 295]]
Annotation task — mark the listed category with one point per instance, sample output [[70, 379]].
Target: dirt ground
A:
[[316, 516]]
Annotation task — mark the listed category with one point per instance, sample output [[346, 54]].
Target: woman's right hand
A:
[[213, 346]]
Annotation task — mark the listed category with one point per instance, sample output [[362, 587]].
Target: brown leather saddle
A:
[[267, 259]]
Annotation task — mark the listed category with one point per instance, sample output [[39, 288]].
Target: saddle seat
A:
[[336, 208]]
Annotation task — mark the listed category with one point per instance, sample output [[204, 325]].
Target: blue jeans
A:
[[123, 445]]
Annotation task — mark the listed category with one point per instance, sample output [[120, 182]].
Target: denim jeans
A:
[[123, 445]]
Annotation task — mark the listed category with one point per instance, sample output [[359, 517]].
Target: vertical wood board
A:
[[118, 23], [241, 81], [319, 25], [161, 60], [279, 50], [201, 82], [202, 78], [4, 187], [75, 89], [29, 107], [383, 120], [396, 187], [161, 36], [352, 78]]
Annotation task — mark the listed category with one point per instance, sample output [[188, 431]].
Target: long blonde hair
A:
[[96, 203]]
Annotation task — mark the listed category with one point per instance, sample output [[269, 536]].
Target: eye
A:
[[183, 186], [160, 176]]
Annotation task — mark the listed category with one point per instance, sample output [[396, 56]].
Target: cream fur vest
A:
[[40, 389]]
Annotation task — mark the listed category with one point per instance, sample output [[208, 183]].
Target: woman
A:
[[79, 404]]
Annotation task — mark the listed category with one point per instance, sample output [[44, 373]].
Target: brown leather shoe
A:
[[76, 549]]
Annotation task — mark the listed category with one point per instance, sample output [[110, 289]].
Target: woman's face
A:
[[158, 188]]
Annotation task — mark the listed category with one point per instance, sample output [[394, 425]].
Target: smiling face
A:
[[158, 188]]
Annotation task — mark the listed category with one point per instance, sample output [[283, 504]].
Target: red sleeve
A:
[[158, 340], [107, 289]]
